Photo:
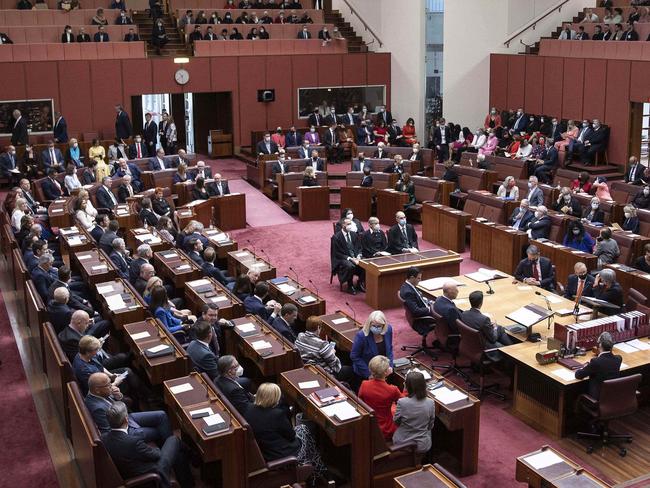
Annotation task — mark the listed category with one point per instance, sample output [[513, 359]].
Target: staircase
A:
[[176, 45], [355, 42], [534, 49]]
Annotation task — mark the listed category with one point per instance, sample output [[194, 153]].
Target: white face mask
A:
[[646, 192], [538, 215], [350, 228], [594, 206], [240, 371], [628, 215]]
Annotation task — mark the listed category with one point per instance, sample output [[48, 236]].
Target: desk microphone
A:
[[490, 290], [295, 274], [548, 305], [253, 246], [315, 287], [266, 256], [354, 314]]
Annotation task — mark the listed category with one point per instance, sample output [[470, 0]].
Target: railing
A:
[[366, 26], [534, 23]]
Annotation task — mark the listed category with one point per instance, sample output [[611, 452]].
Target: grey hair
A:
[[116, 415], [607, 275]]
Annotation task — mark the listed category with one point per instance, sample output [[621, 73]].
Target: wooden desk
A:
[[270, 361], [564, 258], [239, 262], [389, 202], [460, 421], [229, 211], [426, 477], [196, 293], [497, 246], [160, 368], [176, 266], [385, 274], [199, 210], [293, 292], [184, 191], [340, 328], [74, 240], [562, 473], [126, 217], [314, 202], [226, 446], [130, 309], [58, 213], [359, 199], [354, 433], [636, 279], [136, 237], [221, 242], [444, 226], [545, 400], [93, 266]]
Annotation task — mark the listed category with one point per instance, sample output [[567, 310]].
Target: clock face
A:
[[182, 76]]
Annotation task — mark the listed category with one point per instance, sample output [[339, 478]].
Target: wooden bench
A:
[[288, 184], [503, 166], [428, 190], [59, 372], [380, 181]]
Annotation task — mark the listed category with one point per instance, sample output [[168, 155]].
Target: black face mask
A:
[[582, 277]]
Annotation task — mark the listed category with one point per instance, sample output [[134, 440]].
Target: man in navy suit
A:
[[540, 226], [209, 269], [150, 131], [545, 167], [254, 304], [124, 168], [19, 132], [581, 281], [102, 36], [536, 270], [350, 118], [138, 149], [50, 186], [416, 304], [196, 247], [445, 306], [104, 195], [294, 138], [332, 145], [577, 144], [595, 142], [521, 216], [315, 162], [228, 382], [203, 358], [284, 322], [133, 457], [58, 310], [123, 127], [345, 255], [401, 236], [304, 152], [158, 162], [8, 165], [520, 122], [605, 366], [385, 115], [145, 254], [119, 258], [267, 146], [60, 128], [361, 162], [52, 157]]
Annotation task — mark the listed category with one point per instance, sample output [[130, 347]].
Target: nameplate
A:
[[181, 388]]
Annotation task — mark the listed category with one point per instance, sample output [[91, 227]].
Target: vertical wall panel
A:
[[41, 80], [224, 75], [354, 69], [252, 77], [639, 86], [534, 91], [572, 88], [499, 81], [378, 65], [304, 75], [330, 70], [106, 84], [13, 81], [199, 70], [76, 96], [595, 88], [280, 112], [516, 79], [617, 108], [163, 76], [553, 74], [137, 77]]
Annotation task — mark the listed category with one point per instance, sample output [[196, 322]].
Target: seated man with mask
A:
[[580, 283], [536, 270], [521, 216]]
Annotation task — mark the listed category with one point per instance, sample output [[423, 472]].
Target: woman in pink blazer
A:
[[491, 144], [570, 134], [312, 136]]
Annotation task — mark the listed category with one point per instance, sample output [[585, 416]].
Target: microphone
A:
[[266, 256], [548, 305], [295, 274], [314, 285], [490, 290], [354, 314], [251, 245]]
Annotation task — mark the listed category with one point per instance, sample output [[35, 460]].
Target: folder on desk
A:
[[529, 315], [157, 351]]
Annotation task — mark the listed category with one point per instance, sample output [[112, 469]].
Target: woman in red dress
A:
[[380, 132], [408, 131]]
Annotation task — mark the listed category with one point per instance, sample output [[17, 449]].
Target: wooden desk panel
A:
[[230, 306], [342, 333], [636, 279], [359, 199], [222, 243], [176, 266], [426, 477], [299, 291], [200, 210], [126, 217], [136, 237], [93, 266], [481, 242], [230, 211], [58, 213], [313, 202], [389, 202], [134, 310], [74, 240], [444, 226], [510, 245], [239, 262]]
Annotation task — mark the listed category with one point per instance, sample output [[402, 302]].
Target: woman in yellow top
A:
[[97, 153]]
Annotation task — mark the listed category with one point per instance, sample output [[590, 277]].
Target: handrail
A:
[[533, 24], [366, 26]]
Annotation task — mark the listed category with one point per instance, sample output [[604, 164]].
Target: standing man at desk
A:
[[401, 236], [580, 283], [536, 270], [606, 288], [605, 366], [535, 195], [445, 306], [105, 197]]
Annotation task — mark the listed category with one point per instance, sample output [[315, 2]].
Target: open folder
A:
[[529, 315]]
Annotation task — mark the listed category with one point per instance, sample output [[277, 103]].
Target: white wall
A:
[[401, 27], [473, 30]]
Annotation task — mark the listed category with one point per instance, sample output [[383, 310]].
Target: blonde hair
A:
[[376, 317], [309, 171], [379, 366], [153, 281], [88, 344], [631, 209], [268, 395]]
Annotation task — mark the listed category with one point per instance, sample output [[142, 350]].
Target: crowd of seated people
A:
[[244, 18]]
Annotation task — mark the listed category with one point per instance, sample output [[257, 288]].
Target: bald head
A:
[[147, 271], [98, 384], [450, 290], [79, 321]]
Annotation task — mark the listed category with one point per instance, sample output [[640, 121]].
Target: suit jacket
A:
[[132, 455], [414, 301], [155, 165], [42, 280], [209, 269], [19, 134], [46, 157], [123, 193], [75, 301], [372, 242], [330, 139], [148, 217], [106, 241], [280, 325], [233, 391], [88, 177], [523, 225], [448, 310], [364, 348], [103, 37], [356, 165], [121, 264], [437, 135], [293, 139], [397, 242], [384, 154], [276, 168], [69, 340], [634, 174], [476, 320], [597, 138], [540, 228], [341, 249], [133, 151], [213, 188], [204, 360], [318, 165], [599, 215], [525, 270], [273, 431], [332, 119], [65, 39], [316, 120], [303, 35], [520, 124], [386, 116], [536, 197], [131, 37], [59, 315], [104, 199], [7, 163], [572, 287], [134, 270], [605, 366], [83, 37], [133, 169], [50, 190], [123, 127], [262, 149], [61, 127], [254, 305], [613, 294]]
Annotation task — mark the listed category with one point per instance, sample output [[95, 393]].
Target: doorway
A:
[[212, 111], [640, 132]]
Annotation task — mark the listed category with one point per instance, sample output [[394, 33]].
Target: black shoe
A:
[[362, 287], [352, 290]]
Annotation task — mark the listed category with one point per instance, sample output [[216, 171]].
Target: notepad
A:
[[104, 289], [158, 348], [140, 335], [170, 255], [247, 327], [183, 267], [221, 237], [484, 274], [564, 373], [214, 419], [197, 283], [183, 387], [84, 256], [308, 384], [447, 396], [640, 345], [437, 283], [424, 373], [554, 298], [543, 460], [115, 302], [99, 267], [340, 321], [342, 411], [285, 288], [524, 317], [201, 412], [307, 299], [218, 299], [70, 230], [626, 347], [259, 345], [241, 254], [74, 240]]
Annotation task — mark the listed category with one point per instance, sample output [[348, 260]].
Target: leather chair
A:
[[472, 349], [448, 341], [618, 398], [423, 326], [634, 299]]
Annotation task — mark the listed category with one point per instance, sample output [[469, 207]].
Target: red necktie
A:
[[139, 151], [535, 271]]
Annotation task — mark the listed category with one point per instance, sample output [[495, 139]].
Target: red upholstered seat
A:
[[89, 50], [6, 53], [55, 52], [72, 51], [21, 52]]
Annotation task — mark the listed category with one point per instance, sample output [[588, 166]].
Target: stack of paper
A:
[[158, 348], [198, 283], [446, 396], [140, 335], [285, 288], [104, 289], [342, 411], [437, 283], [626, 347], [484, 274], [247, 327], [340, 321], [524, 316], [183, 267], [258, 345], [543, 460], [81, 257], [308, 384], [221, 237], [74, 240], [201, 411], [181, 388], [307, 299], [115, 302], [640, 345], [564, 373]]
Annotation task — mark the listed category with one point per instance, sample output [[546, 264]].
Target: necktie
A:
[[536, 270], [632, 173], [110, 193], [130, 188], [349, 240], [581, 286], [57, 185], [162, 163], [404, 234], [52, 156], [139, 150]]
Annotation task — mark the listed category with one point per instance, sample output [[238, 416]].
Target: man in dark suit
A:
[[79, 326], [196, 34], [630, 34], [598, 34], [228, 382], [384, 115], [332, 118], [418, 305], [361, 162], [119, 257], [315, 162], [520, 122], [536, 270], [19, 133], [493, 335], [150, 131], [554, 130], [397, 167], [373, 240], [26, 188], [50, 186], [605, 366], [345, 255], [123, 18], [158, 162], [445, 306], [220, 186], [102, 36], [58, 310], [545, 168], [134, 457], [104, 195], [401, 236], [635, 171], [267, 146], [293, 138], [9, 165], [52, 158], [595, 142], [82, 36], [350, 118], [78, 297], [284, 322], [304, 33], [540, 226], [125, 168], [580, 283], [125, 190], [131, 36], [196, 248], [304, 151], [607, 288], [44, 275], [366, 180], [123, 127], [316, 119], [254, 304], [209, 269], [381, 152], [203, 358], [441, 140], [521, 216], [332, 145], [106, 240], [139, 149], [201, 171], [60, 129]]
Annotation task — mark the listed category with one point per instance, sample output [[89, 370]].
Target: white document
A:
[[213, 419], [104, 289], [197, 283], [626, 347], [140, 335], [340, 321], [158, 348], [221, 298], [437, 283], [524, 288], [308, 384], [115, 302], [640, 345], [74, 240], [446, 396], [258, 345], [84, 256], [247, 327], [342, 410], [307, 299], [202, 410], [564, 373], [57, 210], [99, 267], [284, 288], [524, 317], [69, 230], [220, 237], [258, 265], [242, 254], [553, 298], [543, 460], [624, 366], [181, 388], [424, 372], [170, 255], [183, 267]]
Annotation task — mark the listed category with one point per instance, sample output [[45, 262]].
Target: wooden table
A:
[[209, 291], [199, 210], [444, 226], [125, 217], [270, 361], [313, 202], [385, 274], [426, 477], [389, 202], [564, 472], [340, 328], [354, 433], [497, 246], [176, 266], [639, 280], [221, 242], [93, 266], [130, 309], [564, 258], [149, 333], [545, 400], [59, 213], [227, 446], [74, 240], [359, 199], [290, 291], [239, 262], [229, 211], [140, 235], [460, 420]]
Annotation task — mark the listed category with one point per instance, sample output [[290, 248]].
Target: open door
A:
[[211, 111]]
